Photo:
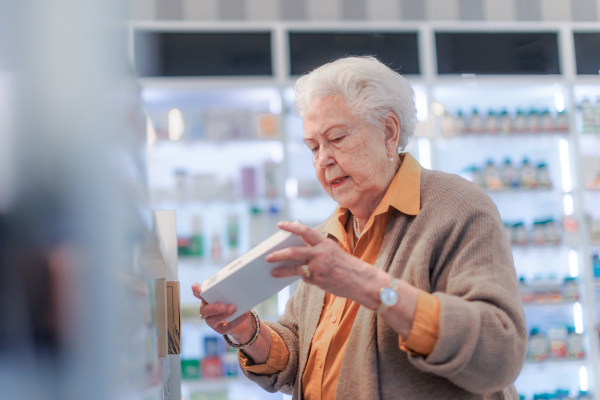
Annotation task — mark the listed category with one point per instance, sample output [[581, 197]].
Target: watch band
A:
[[394, 285]]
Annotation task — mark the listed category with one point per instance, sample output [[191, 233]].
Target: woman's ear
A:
[[391, 127]]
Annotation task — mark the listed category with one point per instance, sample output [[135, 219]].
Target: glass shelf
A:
[[555, 364], [509, 135], [533, 305]]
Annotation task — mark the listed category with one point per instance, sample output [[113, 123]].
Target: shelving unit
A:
[[300, 195]]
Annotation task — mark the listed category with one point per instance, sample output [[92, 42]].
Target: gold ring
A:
[[306, 271]]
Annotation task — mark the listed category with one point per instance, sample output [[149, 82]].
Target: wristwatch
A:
[[388, 296]]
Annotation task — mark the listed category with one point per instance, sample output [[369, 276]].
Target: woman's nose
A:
[[325, 158]]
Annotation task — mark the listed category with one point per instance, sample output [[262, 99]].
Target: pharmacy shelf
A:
[[555, 364], [231, 388], [535, 305]]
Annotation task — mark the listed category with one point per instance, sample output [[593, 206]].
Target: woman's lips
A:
[[339, 183]]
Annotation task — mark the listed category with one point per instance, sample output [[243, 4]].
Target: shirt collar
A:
[[404, 194]]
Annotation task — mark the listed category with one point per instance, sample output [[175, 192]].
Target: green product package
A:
[[190, 369]]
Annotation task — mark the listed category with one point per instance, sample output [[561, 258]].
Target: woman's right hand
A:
[[241, 329]]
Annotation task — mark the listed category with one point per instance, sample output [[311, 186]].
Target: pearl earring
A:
[[391, 159]]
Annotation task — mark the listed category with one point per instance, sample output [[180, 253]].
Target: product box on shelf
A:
[[212, 367], [190, 369], [214, 346]]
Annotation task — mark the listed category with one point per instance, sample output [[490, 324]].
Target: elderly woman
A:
[[408, 290]]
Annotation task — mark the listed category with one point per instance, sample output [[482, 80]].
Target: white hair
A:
[[370, 88]]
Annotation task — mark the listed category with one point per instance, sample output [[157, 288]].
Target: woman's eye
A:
[[338, 139], [315, 149]]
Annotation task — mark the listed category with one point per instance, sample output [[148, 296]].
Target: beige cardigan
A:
[[456, 249]]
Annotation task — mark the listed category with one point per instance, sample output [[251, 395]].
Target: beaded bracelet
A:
[[252, 340]]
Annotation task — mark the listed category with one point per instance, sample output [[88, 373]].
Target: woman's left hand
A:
[[330, 267]]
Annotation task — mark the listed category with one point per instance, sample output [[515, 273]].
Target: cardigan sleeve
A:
[[425, 327], [482, 339], [276, 361], [286, 328]]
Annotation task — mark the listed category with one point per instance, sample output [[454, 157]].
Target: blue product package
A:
[[212, 346]]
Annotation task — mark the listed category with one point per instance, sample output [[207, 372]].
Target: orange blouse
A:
[[320, 377]]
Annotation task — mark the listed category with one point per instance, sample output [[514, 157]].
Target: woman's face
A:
[[349, 155]]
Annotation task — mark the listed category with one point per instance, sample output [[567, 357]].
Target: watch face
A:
[[388, 296]]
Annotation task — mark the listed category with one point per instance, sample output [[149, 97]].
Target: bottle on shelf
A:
[[544, 181], [255, 226], [233, 235], [557, 337], [588, 115], [539, 233], [508, 229], [510, 175], [216, 251], [570, 290], [527, 176], [552, 232], [491, 122], [272, 187], [547, 122], [460, 123], [476, 122], [538, 346], [520, 122], [476, 175], [540, 291], [491, 176], [533, 121], [249, 182], [505, 123], [448, 127], [575, 347], [525, 290], [196, 243], [562, 122], [520, 235]]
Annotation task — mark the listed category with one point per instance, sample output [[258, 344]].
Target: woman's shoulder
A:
[[453, 192]]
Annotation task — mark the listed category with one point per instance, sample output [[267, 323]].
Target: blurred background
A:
[[112, 109]]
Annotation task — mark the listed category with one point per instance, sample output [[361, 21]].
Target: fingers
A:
[[284, 272], [291, 253], [216, 316], [309, 235], [216, 309], [196, 289]]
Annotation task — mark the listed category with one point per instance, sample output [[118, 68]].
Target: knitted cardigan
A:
[[455, 248]]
